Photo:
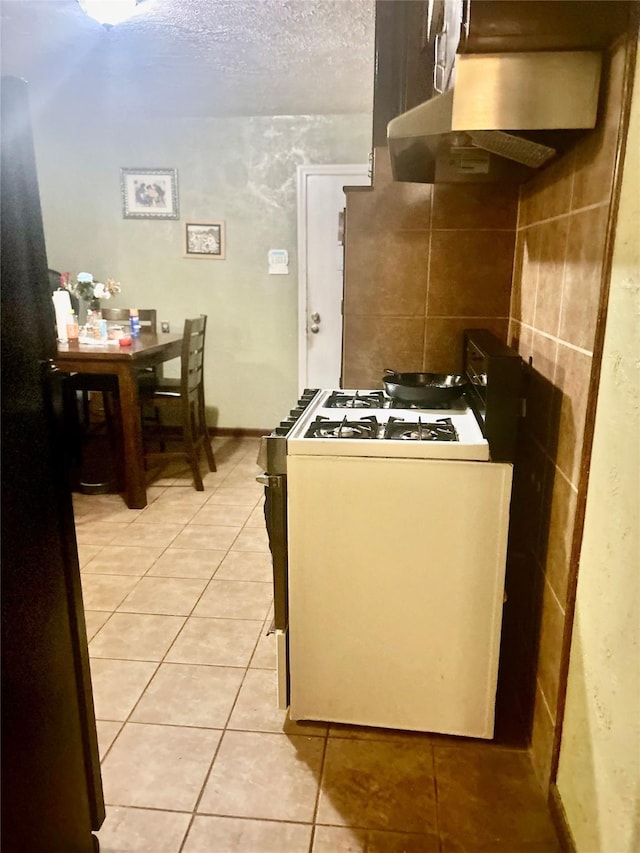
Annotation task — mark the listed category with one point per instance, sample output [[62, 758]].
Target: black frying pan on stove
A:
[[425, 388]]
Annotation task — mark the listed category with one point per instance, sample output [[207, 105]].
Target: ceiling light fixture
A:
[[109, 12]]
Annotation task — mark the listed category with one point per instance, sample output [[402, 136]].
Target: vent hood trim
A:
[[523, 97]]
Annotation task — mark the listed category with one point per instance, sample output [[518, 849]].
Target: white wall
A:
[[599, 770], [240, 170]]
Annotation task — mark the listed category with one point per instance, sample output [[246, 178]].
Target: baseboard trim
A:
[[559, 818], [237, 432]]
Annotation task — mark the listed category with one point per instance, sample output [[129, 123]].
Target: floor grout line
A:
[[366, 739], [217, 750]]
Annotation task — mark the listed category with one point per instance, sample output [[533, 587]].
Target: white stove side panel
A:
[[396, 580]]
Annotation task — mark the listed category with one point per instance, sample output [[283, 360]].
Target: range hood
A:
[[505, 116]]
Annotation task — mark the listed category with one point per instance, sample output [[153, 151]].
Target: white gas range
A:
[[388, 529], [369, 423]]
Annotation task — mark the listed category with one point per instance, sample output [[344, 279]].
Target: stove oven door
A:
[[275, 514]]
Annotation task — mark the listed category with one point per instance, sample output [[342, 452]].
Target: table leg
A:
[[135, 480]]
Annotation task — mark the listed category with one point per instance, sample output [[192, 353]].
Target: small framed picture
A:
[[149, 193], [205, 240]]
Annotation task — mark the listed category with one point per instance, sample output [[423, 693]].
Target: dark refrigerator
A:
[[51, 786]]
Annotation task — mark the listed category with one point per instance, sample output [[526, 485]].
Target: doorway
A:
[[321, 202]]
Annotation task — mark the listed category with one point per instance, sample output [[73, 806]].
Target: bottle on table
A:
[[72, 326], [94, 320], [135, 322]]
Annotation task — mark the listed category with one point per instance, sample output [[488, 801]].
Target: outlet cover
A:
[[164, 326]]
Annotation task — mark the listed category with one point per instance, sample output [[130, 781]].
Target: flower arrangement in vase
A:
[[90, 291]]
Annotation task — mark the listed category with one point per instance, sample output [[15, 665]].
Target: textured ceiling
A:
[[200, 57]]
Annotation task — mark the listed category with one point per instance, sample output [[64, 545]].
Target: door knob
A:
[[315, 318], [315, 328]]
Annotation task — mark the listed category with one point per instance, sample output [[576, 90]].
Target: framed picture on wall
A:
[[149, 193], [205, 240]]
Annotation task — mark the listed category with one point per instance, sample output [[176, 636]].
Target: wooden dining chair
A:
[[106, 384], [148, 320], [119, 315], [147, 316], [148, 323], [186, 397]]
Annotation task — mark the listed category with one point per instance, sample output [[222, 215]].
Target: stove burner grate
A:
[[324, 428], [401, 404], [376, 400], [359, 400], [442, 430]]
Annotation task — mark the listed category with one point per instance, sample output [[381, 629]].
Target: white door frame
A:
[[303, 173]]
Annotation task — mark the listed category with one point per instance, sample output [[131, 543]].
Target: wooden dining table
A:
[[125, 362]]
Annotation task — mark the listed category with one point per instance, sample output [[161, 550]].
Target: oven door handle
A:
[[275, 516], [270, 481]]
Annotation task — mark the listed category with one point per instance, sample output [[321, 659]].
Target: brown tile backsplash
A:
[[549, 194], [596, 153], [469, 206], [550, 647], [530, 204], [525, 274], [392, 207], [542, 735], [400, 268], [560, 510], [470, 273], [583, 275], [558, 280], [520, 338], [551, 261], [542, 392], [592, 180], [573, 372], [387, 273], [372, 344], [443, 340]]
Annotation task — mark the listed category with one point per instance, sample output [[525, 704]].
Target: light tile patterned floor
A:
[[197, 758]]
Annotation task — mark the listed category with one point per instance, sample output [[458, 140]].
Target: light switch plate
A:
[[278, 262], [164, 326]]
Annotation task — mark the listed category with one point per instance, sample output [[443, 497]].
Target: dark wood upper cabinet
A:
[[404, 63], [507, 26]]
